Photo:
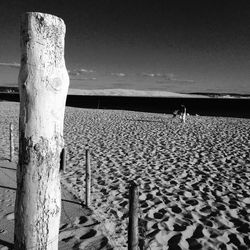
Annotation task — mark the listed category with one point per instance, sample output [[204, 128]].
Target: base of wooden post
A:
[[133, 237]]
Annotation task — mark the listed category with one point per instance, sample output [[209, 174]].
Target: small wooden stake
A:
[[184, 113], [11, 142], [133, 238], [63, 160], [88, 180], [184, 116]]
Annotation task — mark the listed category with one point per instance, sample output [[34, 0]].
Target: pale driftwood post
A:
[[43, 84], [133, 237], [12, 149], [88, 180]]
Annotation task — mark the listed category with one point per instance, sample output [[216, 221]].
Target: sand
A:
[[79, 229], [132, 93], [194, 178]]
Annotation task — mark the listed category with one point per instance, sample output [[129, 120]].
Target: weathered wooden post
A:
[[184, 113], [43, 84], [88, 180], [12, 149], [63, 162], [133, 237]]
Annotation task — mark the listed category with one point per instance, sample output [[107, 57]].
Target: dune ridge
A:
[[131, 92]]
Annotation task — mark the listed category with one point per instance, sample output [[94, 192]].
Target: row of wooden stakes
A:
[[133, 234]]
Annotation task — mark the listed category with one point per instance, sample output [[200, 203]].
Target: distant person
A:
[[176, 112]]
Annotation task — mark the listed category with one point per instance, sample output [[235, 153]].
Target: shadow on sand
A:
[[7, 244]]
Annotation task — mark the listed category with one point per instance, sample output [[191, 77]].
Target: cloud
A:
[[175, 81], [10, 65], [148, 74], [73, 73], [118, 74], [86, 70], [77, 72], [168, 76], [84, 79], [184, 81]]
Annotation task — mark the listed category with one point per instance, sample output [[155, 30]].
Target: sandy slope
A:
[[194, 179]]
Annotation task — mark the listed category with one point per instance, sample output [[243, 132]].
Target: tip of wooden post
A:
[[37, 13], [41, 15]]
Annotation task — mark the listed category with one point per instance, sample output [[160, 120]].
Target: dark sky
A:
[[182, 46]]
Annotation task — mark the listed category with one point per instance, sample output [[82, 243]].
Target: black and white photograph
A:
[[124, 125]]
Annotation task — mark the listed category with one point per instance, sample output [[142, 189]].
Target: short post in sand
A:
[[88, 180], [63, 161], [184, 113], [43, 85], [133, 237], [12, 149]]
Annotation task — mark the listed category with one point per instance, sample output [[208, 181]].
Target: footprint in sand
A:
[[83, 220], [63, 226], [179, 228], [98, 242], [246, 201], [174, 241], [68, 239], [198, 232], [194, 244], [176, 209], [89, 234], [10, 216], [158, 215], [192, 202], [3, 231], [4, 248]]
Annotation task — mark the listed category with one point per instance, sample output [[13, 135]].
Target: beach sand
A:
[[79, 228], [194, 178]]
